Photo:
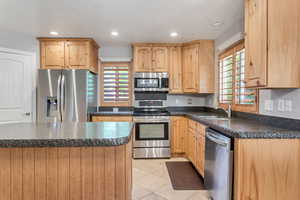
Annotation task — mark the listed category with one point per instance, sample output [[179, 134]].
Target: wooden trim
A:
[[101, 82], [236, 107], [65, 173], [156, 44], [69, 38]]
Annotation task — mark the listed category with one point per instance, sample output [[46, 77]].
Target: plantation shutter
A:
[[226, 79], [242, 94], [232, 89], [116, 84]]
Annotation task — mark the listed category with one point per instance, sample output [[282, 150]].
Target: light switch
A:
[[288, 106], [281, 105]]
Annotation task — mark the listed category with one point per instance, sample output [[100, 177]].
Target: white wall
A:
[[115, 53], [18, 41]]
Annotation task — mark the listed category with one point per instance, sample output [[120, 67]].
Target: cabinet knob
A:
[[251, 63]]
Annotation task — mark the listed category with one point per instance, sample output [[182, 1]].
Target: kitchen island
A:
[[67, 161]]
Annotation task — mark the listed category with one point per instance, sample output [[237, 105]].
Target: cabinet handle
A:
[[251, 63]]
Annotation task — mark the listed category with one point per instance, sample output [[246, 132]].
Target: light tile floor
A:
[[151, 182]]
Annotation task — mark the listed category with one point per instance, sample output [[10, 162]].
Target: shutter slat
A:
[[116, 84]]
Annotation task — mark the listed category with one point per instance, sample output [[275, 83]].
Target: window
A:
[[115, 84], [232, 81]]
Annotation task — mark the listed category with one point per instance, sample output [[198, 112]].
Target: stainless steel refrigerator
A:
[[65, 95]]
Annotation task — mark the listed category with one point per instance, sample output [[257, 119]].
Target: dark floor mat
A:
[[184, 176]]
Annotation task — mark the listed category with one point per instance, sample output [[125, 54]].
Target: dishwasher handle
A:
[[217, 140]]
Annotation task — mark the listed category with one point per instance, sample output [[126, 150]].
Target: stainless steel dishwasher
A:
[[218, 165]]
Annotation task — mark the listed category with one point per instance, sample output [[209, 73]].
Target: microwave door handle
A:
[[59, 98]]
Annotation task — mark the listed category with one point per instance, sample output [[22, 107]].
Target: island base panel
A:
[[66, 173]]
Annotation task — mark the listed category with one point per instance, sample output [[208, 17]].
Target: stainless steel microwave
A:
[[152, 81]]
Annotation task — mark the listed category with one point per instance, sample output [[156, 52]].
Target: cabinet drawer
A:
[[111, 118]]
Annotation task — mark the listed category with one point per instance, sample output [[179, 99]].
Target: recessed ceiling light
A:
[[217, 23], [54, 33], [174, 34], [114, 33]]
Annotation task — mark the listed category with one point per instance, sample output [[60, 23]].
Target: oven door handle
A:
[[151, 121]]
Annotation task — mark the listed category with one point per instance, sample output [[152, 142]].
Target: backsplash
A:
[[186, 100], [280, 102]]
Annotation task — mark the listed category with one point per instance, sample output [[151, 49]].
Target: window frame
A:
[[232, 50], [101, 86]]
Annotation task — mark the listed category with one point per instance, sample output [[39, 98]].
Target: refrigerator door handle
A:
[[63, 101], [59, 98]]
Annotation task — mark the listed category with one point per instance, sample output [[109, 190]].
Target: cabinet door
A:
[[179, 128], [206, 79], [175, 70], [190, 69], [93, 58], [52, 54], [160, 61], [143, 59], [256, 42], [77, 56], [284, 43]]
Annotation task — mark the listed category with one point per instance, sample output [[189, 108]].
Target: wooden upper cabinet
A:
[[284, 43], [272, 43], [143, 59], [73, 53], [175, 70], [198, 67], [160, 59], [190, 69], [77, 54], [52, 54], [256, 42], [206, 55]]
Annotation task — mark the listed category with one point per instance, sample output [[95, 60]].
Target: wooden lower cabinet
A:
[[188, 137], [66, 173], [111, 118], [178, 136], [266, 169]]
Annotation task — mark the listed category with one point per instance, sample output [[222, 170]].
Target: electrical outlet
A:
[[269, 105], [189, 101], [288, 106], [115, 109], [176, 101], [281, 105]]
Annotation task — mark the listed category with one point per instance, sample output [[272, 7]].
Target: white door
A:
[[16, 86]]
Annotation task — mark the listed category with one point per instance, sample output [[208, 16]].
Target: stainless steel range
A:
[[152, 120], [152, 137]]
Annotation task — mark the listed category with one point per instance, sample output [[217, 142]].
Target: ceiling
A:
[[135, 20]]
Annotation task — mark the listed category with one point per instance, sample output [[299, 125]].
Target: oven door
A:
[[152, 134]]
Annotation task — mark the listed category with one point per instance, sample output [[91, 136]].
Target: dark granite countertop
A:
[[257, 126], [65, 134], [237, 127]]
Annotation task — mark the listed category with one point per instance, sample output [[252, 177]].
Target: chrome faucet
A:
[[228, 110]]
